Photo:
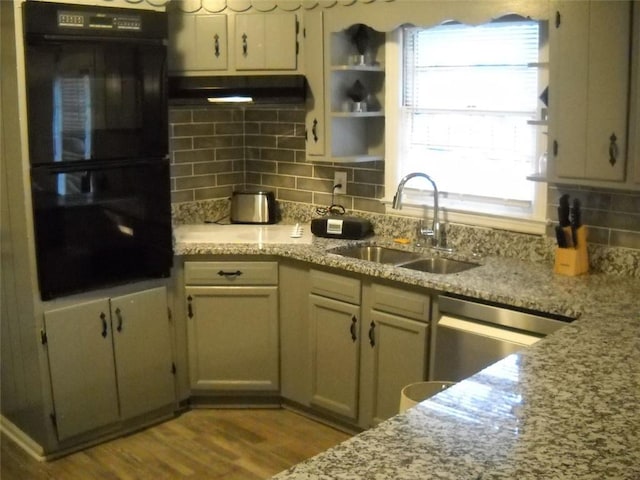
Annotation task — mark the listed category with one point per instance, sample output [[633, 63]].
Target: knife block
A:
[[573, 261]]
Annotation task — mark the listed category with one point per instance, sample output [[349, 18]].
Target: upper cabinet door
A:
[[314, 71], [634, 114], [589, 57], [266, 41], [197, 42]]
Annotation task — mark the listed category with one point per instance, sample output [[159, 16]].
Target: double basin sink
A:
[[405, 259]]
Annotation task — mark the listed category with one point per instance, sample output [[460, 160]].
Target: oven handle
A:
[[497, 333]]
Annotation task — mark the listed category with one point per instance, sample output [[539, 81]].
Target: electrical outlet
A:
[[340, 178]]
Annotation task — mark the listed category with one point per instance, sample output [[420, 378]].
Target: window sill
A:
[[486, 220]]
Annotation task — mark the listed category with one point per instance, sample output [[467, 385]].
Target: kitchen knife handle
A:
[[613, 149], [560, 238]]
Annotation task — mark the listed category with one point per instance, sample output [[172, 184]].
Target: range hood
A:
[[237, 89]]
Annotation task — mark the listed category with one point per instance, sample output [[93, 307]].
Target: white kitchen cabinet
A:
[[634, 104], [109, 360], [367, 340], [202, 43], [232, 326], [266, 41], [142, 346], [295, 370], [334, 331], [197, 42], [394, 349], [314, 72], [588, 91]]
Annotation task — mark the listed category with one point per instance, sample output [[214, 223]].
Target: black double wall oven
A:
[[98, 145]]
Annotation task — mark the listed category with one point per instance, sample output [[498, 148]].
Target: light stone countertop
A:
[[566, 408]]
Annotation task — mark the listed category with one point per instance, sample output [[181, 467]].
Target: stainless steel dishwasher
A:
[[470, 336]]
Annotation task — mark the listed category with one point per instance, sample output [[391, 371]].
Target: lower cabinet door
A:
[[399, 347], [233, 338], [142, 345], [334, 347], [81, 365]]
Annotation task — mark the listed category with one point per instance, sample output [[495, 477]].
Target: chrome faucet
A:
[[434, 232]]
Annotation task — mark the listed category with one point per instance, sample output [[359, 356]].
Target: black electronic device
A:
[[341, 226]]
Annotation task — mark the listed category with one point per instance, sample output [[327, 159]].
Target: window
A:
[[468, 105]]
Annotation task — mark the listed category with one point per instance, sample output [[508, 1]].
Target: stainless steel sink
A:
[[376, 253], [438, 265], [404, 259]]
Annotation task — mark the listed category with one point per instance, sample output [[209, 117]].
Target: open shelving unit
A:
[[356, 129]]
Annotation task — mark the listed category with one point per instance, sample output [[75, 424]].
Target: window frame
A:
[[419, 198]]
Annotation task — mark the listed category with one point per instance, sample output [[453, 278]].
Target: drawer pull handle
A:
[[245, 45], [222, 273], [216, 45], [352, 329], [119, 316], [613, 149], [372, 336], [103, 317]]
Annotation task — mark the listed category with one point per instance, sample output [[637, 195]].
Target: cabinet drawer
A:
[[335, 286], [231, 273], [401, 302]]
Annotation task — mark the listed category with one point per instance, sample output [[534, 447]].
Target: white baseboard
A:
[[23, 440]]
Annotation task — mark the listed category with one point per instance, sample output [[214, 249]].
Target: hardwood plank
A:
[[238, 444]]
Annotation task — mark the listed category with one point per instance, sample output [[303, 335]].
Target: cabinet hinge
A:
[[557, 19], [173, 368], [43, 337]]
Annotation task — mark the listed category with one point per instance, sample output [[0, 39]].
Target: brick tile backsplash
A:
[[216, 149]]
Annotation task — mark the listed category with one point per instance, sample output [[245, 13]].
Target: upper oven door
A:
[[92, 99]]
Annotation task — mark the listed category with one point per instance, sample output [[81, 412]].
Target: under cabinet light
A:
[[235, 99]]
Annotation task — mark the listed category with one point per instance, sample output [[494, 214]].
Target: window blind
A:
[[468, 92]]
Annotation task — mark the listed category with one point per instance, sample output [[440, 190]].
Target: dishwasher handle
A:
[[484, 330]]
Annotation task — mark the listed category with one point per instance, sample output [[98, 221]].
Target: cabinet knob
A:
[[613, 149]]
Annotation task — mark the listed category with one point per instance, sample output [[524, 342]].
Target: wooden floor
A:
[[230, 444]]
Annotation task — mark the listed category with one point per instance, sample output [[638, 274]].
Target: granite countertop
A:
[[566, 408]]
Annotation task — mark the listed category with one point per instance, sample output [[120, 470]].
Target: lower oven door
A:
[[465, 347], [101, 224]]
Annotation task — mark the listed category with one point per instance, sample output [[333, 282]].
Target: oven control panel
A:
[[98, 21]]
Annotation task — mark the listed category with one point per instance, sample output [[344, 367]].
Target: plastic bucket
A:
[[415, 393]]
